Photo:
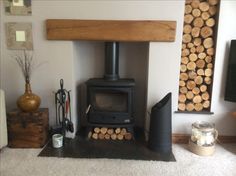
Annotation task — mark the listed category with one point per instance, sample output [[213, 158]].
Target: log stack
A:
[[198, 50], [105, 133]]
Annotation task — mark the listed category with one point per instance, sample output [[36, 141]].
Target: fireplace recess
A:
[[110, 99]]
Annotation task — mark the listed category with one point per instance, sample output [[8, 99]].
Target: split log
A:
[[187, 38], [181, 106], [183, 76], [183, 90], [195, 32], [192, 57], [103, 130], [210, 22], [203, 88], [213, 2], [206, 104], [197, 99], [123, 131], [188, 9], [188, 18], [198, 80], [189, 95], [207, 80], [120, 137], [113, 136], [192, 50], [201, 55], [210, 65], [210, 51], [182, 83], [204, 6], [110, 131], [200, 72], [196, 90], [198, 22], [96, 130], [212, 10], [184, 60], [190, 107], [205, 96], [187, 29], [196, 12], [192, 75], [190, 45], [95, 136], [185, 52], [208, 59], [101, 136], [206, 32], [117, 130], [197, 41], [90, 134], [191, 66], [182, 98], [107, 136], [208, 42], [200, 63], [205, 15], [198, 107], [195, 4], [200, 49], [208, 72], [191, 85], [128, 136]]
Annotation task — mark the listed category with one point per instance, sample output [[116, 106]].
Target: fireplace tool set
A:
[[63, 110]]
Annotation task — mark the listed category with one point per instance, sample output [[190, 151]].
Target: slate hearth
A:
[[81, 147]]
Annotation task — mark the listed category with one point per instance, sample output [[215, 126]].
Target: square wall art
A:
[[18, 7], [19, 36]]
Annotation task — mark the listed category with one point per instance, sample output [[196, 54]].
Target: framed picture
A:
[[18, 7], [19, 36]]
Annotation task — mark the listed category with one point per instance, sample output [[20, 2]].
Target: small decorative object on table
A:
[[27, 130], [28, 102], [203, 138]]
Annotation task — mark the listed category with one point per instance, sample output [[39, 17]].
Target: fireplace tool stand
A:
[[63, 110]]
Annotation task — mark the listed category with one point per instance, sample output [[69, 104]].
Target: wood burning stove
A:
[[110, 99]]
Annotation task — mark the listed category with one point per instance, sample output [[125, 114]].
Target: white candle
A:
[[3, 123]]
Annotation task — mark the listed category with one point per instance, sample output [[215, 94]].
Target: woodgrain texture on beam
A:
[[111, 30]]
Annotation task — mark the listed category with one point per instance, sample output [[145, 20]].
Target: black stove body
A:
[[110, 99]]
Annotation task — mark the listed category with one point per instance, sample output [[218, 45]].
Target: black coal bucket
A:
[[160, 133]]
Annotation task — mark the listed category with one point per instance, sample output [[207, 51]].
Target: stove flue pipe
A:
[[111, 61]]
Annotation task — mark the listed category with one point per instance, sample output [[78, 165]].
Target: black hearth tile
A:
[[80, 147]]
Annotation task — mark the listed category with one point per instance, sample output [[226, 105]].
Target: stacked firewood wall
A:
[[105, 133], [198, 50]]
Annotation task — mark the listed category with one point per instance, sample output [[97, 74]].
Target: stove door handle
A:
[[88, 108]]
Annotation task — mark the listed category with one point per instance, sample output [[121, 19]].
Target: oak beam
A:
[[111, 30]]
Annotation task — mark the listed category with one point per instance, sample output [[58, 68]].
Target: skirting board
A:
[[184, 138]]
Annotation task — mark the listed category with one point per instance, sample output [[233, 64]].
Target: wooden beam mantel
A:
[[111, 30]]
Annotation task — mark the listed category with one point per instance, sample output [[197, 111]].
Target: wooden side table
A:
[[28, 130]]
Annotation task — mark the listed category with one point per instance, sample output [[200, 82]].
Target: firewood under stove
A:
[[105, 133]]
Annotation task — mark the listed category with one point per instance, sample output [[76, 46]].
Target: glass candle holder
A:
[[204, 134]]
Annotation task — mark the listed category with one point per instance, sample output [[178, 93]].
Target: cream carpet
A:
[[24, 162]]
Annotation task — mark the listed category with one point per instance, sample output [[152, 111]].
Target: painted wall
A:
[[163, 65]]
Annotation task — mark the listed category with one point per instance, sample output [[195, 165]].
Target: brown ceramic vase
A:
[[28, 102]]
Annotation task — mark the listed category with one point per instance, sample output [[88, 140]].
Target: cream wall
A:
[[164, 58]]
